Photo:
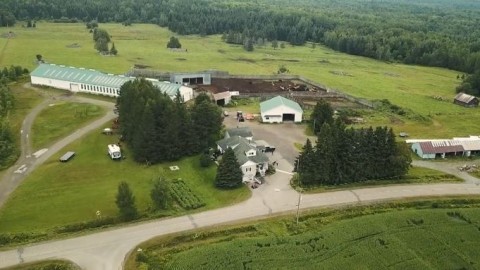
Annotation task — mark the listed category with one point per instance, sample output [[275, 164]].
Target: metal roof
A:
[[439, 147], [464, 98], [93, 77], [279, 101], [471, 145], [222, 95]]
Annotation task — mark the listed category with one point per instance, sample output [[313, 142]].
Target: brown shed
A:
[[466, 100]]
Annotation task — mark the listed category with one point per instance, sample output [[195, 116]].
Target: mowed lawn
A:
[[61, 119], [411, 87], [399, 239], [58, 193]]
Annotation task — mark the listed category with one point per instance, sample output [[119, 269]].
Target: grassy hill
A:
[[410, 87]]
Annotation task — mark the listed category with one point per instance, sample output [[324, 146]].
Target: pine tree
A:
[[229, 174], [126, 202], [113, 50], [322, 113], [206, 122], [304, 164], [160, 193]]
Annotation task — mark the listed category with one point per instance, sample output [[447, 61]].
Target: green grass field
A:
[[411, 87], [376, 237], [45, 265], [57, 194], [60, 119]]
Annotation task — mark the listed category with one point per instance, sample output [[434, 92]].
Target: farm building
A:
[[251, 160], [465, 100], [223, 98], [280, 109], [95, 82], [191, 78], [462, 146]]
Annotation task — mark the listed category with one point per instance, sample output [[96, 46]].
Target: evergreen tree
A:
[[7, 144], [113, 50], [229, 174], [174, 43], [160, 193], [207, 122], [322, 113], [126, 202], [101, 45], [274, 44], [304, 164]]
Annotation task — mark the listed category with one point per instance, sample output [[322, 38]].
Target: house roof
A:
[[464, 98], [279, 101], [240, 146], [241, 131], [244, 147], [440, 147], [229, 142], [93, 77]]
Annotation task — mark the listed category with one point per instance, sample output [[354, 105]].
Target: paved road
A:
[[27, 162], [107, 249]]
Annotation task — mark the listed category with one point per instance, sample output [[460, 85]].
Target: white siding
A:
[[275, 115], [186, 93], [249, 170]]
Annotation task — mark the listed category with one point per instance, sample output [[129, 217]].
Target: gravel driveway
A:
[[282, 136]]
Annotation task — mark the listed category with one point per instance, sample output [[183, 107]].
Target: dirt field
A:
[[256, 86]]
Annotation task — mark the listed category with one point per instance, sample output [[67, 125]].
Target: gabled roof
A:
[[93, 77], [279, 101], [240, 146], [231, 142], [464, 98], [241, 131], [440, 147]]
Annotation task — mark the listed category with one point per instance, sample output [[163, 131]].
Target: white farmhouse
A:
[[280, 109], [95, 82], [251, 160]]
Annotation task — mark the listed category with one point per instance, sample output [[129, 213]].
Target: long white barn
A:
[[95, 82]]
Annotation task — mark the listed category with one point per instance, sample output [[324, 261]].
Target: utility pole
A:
[[298, 205], [300, 193]]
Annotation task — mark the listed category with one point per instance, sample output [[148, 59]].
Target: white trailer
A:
[[114, 151]]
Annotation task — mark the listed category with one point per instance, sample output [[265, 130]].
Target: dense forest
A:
[[158, 128], [344, 155], [428, 32]]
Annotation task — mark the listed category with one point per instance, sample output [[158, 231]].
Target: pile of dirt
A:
[[140, 66], [74, 45]]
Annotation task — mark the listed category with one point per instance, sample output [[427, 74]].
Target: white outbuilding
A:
[[280, 109], [95, 82]]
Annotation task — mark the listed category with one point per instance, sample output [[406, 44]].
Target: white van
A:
[[114, 151]]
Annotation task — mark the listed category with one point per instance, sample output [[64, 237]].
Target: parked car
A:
[[225, 113], [250, 116]]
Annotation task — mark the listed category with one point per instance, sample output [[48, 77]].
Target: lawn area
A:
[[25, 100], [61, 119], [416, 175], [45, 265], [57, 194], [411, 87], [437, 235]]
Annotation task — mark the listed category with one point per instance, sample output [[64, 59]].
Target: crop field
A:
[[57, 194], [427, 92], [61, 119], [333, 239], [184, 196]]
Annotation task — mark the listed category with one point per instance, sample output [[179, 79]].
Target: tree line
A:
[[7, 142], [158, 128], [344, 155], [432, 33]]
